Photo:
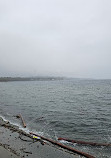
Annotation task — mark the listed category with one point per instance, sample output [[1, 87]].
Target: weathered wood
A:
[[64, 146], [24, 124], [85, 143]]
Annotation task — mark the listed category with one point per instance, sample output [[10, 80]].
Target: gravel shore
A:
[[15, 143]]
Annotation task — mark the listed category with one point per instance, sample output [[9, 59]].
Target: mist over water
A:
[[71, 108]]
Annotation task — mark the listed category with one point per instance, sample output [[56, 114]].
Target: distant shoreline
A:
[[11, 79]]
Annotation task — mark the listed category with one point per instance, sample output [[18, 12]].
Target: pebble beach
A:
[[15, 143]]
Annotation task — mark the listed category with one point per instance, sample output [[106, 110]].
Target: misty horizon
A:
[[55, 38]]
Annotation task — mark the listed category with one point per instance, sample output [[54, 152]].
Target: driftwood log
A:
[[24, 124], [64, 146], [83, 142], [20, 116]]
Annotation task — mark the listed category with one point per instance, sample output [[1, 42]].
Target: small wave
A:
[[68, 143], [64, 142], [67, 101], [27, 129], [8, 105], [52, 101]]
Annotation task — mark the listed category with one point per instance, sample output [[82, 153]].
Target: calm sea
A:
[[70, 108]]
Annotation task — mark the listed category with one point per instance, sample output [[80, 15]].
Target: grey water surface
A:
[[69, 108]]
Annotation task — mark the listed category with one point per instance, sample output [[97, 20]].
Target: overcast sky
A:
[[55, 37]]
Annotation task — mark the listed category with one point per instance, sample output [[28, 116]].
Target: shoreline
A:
[[12, 79], [18, 143]]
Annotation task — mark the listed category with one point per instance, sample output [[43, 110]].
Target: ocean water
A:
[[69, 108]]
